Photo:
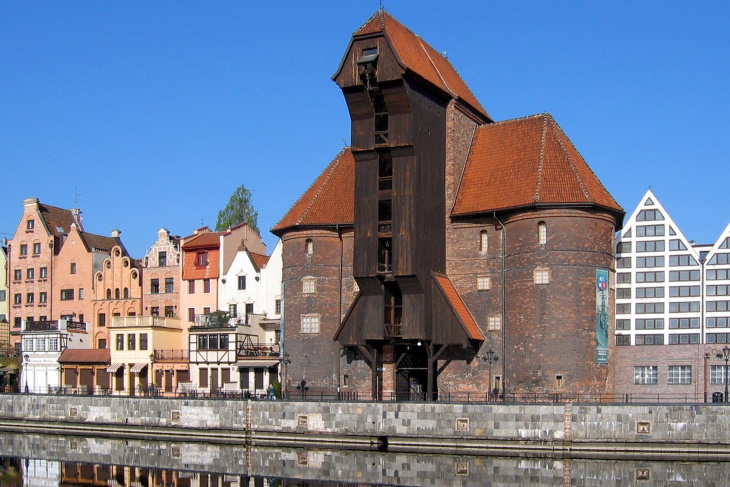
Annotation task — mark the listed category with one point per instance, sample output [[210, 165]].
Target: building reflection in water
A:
[[67, 461]]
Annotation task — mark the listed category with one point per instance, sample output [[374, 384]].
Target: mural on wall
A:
[[601, 316]]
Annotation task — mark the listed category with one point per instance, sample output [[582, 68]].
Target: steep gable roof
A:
[[329, 200], [259, 260], [416, 56], [57, 220], [525, 162], [101, 243]]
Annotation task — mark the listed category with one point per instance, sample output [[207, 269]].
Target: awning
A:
[[257, 363], [114, 367], [137, 368]]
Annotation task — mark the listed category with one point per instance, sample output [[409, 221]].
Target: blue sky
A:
[[150, 114]]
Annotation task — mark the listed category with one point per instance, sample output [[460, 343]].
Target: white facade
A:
[[41, 347], [669, 290]]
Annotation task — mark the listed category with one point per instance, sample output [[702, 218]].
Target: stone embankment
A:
[[699, 432]]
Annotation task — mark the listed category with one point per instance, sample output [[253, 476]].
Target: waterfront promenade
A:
[[699, 432]]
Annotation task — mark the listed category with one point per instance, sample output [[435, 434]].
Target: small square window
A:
[[494, 323], [542, 276], [483, 283], [308, 285]]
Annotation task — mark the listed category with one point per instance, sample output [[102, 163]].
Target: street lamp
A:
[[284, 362], [726, 356], [25, 371], [490, 359]]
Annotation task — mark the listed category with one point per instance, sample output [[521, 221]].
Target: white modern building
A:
[[42, 343], [672, 307]]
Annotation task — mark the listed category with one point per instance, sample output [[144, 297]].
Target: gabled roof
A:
[[330, 200], [259, 260], [85, 356], [417, 57], [57, 220], [457, 305], [525, 162], [99, 242], [203, 240]]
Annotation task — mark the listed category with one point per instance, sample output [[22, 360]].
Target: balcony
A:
[[171, 356], [250, 346], [222, 319], [145, 321], [53, 325]]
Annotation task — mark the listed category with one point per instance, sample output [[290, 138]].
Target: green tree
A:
[[238, 210]]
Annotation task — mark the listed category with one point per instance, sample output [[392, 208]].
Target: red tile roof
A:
[[259, 260], [203, 240], [83, 356], [57, 220], [329, 200], [416, 56], [457, 304], [524, 162]]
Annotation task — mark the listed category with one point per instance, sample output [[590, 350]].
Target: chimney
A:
[[77, 218], [116, 233]]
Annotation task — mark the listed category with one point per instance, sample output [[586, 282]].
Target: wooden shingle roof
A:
[[416, 56], [527, 162], [330, 200]]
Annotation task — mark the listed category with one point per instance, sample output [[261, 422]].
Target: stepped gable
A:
[[527, 162], [419, 58], [329, 200]]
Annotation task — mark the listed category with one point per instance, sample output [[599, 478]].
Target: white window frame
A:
[[542, 276], [484, 283], [309, 285], [494, 323], [310, 323]]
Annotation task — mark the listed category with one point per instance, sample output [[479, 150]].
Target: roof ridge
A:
[[541, 164], [430, 59], [324, 183], [572, 164]]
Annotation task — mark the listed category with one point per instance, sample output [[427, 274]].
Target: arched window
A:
[[309, 247], [108, 294], [483, 242], [542, 233], [116, 293], [126, 293]]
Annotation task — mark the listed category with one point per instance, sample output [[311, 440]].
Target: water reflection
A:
[[35, 460]]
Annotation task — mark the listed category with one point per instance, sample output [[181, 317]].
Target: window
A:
[[30, 273], [542, 233], [206, 310], [143, 341], [120, 341], [309, 247], [155, 311], [202, 342], [3, 295], [44, 272], [23, 249], [683, 291], [191, 287], [720, 259], [29, 298], [483, 242], [655, 276], [169, 311], [649, 216], [131, 341], [73, 267], [483, 283], [29, 224], [67, 294], [623, 293], [684, 323], [206, 286], [657, 261], [40, 344], [675, 244], [28, 345], [623, 278], [101, 319], [102, 344], [310, 323], [684, 339], [17, 274], [718, 290], [308, 285], [53, 345], [623, 263], [155, 286], [650, 324], [623, 340], [684, 307], [233, 310], [385, 171], [37, 248], [277, 307], [494, 323], [43, 297], [675, 276], [650, 246], [241, 282], [17, 322], [649, 339], [17, 298], [718, 274], [542, 276], [682, 260], [717, 374], [646, 374], [623, 248], [201, 259], [647, 308], [162, 259], [81, 293], [623, 324], [191, 315], [718, 305], [650, 231], [169, 284]]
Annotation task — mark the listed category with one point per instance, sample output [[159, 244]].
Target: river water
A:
[[38, 460]]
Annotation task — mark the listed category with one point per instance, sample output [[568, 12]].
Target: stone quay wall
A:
[[687, 431]]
